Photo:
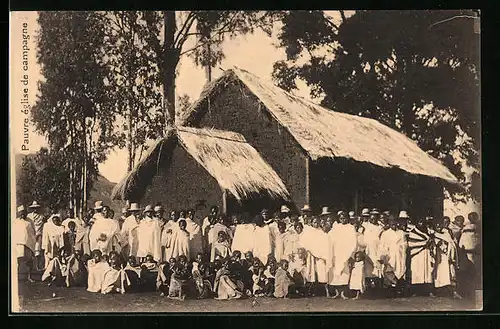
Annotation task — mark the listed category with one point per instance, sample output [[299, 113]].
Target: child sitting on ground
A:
[[201, 277], [77, 271], [97, 265], [259, 282], [56, 270], [179, 281], [165, 272], [149, 274], [114, 278], [284, 286], [357, 280], [133, 272]]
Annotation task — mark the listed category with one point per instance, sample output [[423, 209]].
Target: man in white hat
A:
[[159, 215], [123, 217], [128, 233], [305, 214], [23, 240], [38, 220], [97, 212], [285, 215], [365, 215], [149, 234]]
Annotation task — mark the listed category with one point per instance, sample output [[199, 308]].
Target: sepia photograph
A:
[[245, 161]]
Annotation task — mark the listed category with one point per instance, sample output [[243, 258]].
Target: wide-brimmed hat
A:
[[352, 214], [365, 212], [147, 208], [98, 205], [403, 214], [340, 212], [34, 204], [21, 208], [134, 207], [158, 208], [285, 209], [374, 211], [325, 211], [306, 208]]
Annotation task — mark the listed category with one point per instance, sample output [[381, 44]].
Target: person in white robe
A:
[[420, 244], [23, 240], [342, 245], [195, 234], [105, 233], [214, 232], [272, 225], [392, 254], [261, 240], [243, 239], [149, 234], [208, 222], [445, 273], [38, 220], [372, 239], [52, 238], [286, 216], [128, 232], [159, 216], [169, 229], [180, 244]]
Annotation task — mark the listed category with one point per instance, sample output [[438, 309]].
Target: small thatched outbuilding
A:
[[203, 167], [324, 157]]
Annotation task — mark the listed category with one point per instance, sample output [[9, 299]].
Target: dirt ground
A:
[[38, 297]]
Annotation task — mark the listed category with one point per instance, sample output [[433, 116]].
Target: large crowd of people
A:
[[283, 255]]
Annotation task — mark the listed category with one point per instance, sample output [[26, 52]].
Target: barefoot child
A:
[[283, 284], [96, 268], [357, 280]]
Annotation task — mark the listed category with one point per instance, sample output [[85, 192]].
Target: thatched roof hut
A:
[[324, 157], [325, 133], [225, 156]]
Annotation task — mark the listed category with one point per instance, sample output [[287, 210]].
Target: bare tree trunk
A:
[[129, 140], [171, 58]]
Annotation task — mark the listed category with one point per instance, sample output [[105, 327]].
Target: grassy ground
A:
[[38, 297]]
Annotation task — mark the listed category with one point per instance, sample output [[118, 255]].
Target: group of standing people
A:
[[284, 255]]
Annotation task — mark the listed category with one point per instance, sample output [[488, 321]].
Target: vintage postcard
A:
[[245, 161]]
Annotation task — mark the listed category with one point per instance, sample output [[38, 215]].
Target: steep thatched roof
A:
[[226, 156], [325, 133]]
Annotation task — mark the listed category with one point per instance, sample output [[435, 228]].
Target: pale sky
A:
[[255, 53]]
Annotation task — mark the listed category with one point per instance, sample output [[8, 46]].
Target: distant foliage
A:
[[415, 71]]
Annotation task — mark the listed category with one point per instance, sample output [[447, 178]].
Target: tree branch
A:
[[184, 30], [452, 18], [342, 14]]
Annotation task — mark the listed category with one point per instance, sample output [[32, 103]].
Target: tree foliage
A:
[[43, 177], [73, 109], [415, 71]]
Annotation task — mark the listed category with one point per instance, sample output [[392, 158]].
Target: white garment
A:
[[167, 235], [261, 243], [128, 235], [421, 261], [149, 234], [23, 234], [195, 237], [343, 243], [108, 228], [65, 223], [52, 239], [446, 257], [96, 273], [357, 281], [392, 248], [243, 238], [372, 240]]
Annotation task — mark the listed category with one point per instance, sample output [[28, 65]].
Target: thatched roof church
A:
[[323, 157], [202, 167]]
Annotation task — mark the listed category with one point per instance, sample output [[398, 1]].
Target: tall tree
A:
[[73, 109], [416, 71]]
